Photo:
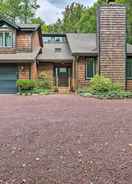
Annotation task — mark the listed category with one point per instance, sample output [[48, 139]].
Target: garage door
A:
[[8, 77]]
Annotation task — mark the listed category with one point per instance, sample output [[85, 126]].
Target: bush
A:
[[43, 82], [102, 87], [100, 84], [40, 91], [25, 84]]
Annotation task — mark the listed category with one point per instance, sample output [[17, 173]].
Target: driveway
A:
[[63, 139]]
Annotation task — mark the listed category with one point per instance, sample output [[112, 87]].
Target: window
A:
[[1, 39], [53, 39], [129, 68], [6, 39], [57, 49], [90, 67]]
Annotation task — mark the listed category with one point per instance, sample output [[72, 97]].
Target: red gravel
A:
[[65, 140]]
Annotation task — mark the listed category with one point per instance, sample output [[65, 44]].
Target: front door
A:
[[62, 76]]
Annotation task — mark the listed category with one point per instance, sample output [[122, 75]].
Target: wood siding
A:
[[112, 42], [46, 69], [24, 71], [24, 42], [36, 40], [81, 71], [129, 85]]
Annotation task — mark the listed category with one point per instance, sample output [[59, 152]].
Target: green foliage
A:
[[43, 82], [101, 84], [40, 91], [23, 10], [39, 21], [40, 86], [102, 87], [78, 18], [25, 84]]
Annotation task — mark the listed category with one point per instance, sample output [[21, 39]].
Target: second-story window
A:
[[6, 39]]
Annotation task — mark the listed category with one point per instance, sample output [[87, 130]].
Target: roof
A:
[[10, 23], [82, 43], [49, 53], [85, 44], [22, 27], [27, 57], [29, 27]]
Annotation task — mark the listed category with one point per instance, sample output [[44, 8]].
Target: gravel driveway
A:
[[63, 139]]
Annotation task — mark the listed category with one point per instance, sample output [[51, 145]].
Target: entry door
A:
[[8, 77], [62, 76]]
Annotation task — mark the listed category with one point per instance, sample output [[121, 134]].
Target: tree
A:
[[23, 10], [72, 16], [28, 8], [77, 18], [38, 20]]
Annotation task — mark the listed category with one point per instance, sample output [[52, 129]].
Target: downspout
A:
[[126, 54]]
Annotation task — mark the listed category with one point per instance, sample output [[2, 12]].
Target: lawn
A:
[[65, 139]]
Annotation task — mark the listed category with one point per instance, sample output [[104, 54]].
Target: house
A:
[[69, 60]]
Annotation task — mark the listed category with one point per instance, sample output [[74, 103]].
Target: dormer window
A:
[[6, 39], [57, 49]]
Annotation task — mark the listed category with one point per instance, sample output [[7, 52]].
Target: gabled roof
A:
[[21, 27], [49, 52], [82, 43], [10, 23]]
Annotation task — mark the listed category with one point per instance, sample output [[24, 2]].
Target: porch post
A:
[[56, 77], [74, 80]]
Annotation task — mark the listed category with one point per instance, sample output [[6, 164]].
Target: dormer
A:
[[19, 38], [7, 36]]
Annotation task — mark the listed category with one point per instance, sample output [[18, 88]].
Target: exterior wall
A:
[[129, 85], [36, 40], [112, 42], [24, 71], [81, 72], [24, 42], [34, 71], [27, 71], [46, 69]]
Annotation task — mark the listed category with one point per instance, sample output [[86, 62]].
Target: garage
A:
[[8, 77]]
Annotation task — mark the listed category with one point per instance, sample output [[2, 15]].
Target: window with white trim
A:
[[6, 39]]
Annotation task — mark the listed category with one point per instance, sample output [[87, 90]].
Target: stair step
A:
[[63, 90]]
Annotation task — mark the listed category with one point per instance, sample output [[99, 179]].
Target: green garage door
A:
[[8, 77]]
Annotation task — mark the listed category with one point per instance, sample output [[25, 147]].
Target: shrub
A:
[[25, 84], [43, 82], [100, 84], [40, 91], [102, 87]]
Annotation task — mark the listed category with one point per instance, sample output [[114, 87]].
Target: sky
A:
[[51, 10]]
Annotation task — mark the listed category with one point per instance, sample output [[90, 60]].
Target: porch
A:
[[61, 74]]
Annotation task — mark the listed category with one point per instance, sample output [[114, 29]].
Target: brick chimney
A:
[[111, 38]]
